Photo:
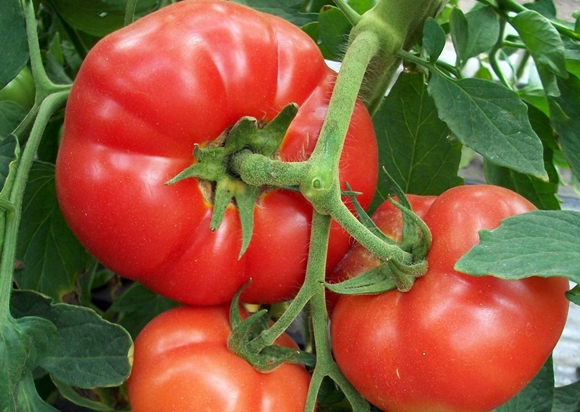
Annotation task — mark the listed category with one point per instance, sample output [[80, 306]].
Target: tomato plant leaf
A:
[[543, 194], [97, 17], [287, 9], [29, 399], [567, 398], [491, 119], [568, 128], [23, 343], [537, 396], [433, 38], [69, 393], [543, 243], [545, 46], [474, 32], [11, 114], [138, 306], [88, 351], [334, 28], [415, 147], [14, 44], [52, 255]]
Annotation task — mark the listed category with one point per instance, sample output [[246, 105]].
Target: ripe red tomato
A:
[[182, 363], [358, 259], [144, 96], [454, 342]]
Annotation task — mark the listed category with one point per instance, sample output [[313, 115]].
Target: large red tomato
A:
[[454, 342], [144, 96], [182, 364]]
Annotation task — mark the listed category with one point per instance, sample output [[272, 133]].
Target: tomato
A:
[[358, 259], [144, 97], [454, 342], [182, 363], [20, 90]]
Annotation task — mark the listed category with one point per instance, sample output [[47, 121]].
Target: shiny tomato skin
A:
[[182, 363], [454, 342], [144, 96]]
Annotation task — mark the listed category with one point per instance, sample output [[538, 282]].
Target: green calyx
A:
[[215, 167]]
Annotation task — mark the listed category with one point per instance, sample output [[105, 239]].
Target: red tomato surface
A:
[[182, 364], [454, 342], [144, 96]]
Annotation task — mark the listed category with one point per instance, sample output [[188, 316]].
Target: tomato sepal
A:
[[264, 358]]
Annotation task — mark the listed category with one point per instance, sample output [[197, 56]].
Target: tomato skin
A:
[[454, 342], [145, 95], [182, 363]]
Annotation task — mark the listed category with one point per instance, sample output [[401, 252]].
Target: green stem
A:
[[350, 13], [130, 12], [493, 60], [398, 24], [44, 86], [321, 179], [365, 237], [512, 5], [47, 108], [325, 364]]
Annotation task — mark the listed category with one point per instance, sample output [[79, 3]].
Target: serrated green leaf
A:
[[52, 255], [567, 398], [537, 396], [543, 194], [138, 306], [14, 44], [491, 119], [287, 9], [97, 17], [414, 145], [539, 243], [568, 126], [545, 45], [88, 351], [334, 29], [433, 38]]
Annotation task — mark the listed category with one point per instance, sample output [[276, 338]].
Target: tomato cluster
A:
[[453, 342], [145, 97]]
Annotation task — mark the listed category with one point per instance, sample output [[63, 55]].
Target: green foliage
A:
[[13, 53], [97, 17], [87, 351], [543, 243], [490, 119], [416, 147], [51, 255]]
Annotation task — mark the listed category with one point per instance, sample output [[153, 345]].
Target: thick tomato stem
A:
[[397, 23]]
